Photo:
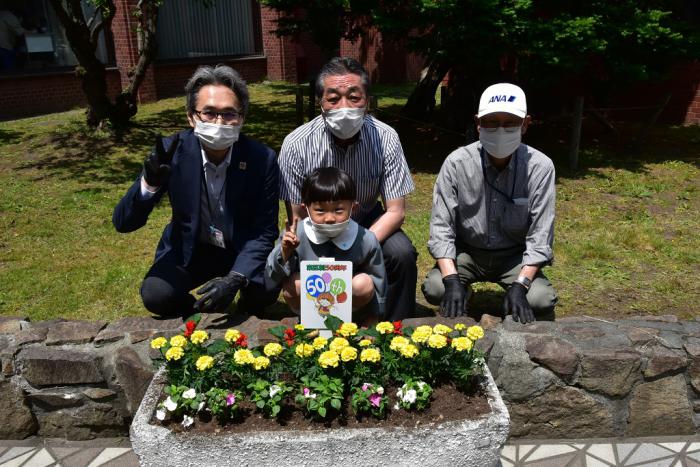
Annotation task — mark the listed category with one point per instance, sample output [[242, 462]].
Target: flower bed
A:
[[346, 377]]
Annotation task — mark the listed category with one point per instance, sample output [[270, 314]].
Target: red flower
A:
[[289, 334], [189, 328], [242, 340], [397, 327]]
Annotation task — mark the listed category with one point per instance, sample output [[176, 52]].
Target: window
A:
[[188, 29], [32, 38]]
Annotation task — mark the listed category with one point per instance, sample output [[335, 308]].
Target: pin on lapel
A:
[[242, 165]]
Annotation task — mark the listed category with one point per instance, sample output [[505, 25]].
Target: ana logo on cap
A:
[[501, 99]]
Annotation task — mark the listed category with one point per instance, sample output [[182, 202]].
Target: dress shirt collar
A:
[[225, 163], [489, 165]]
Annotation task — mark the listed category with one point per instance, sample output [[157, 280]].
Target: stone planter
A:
[[467, 442]]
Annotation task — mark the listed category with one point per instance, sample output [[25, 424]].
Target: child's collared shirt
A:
[[355, 244]]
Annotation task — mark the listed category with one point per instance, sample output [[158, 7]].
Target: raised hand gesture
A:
[[290, 241], [156, 167]]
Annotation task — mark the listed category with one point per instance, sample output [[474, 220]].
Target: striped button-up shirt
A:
[[511, 208], [375, 162]]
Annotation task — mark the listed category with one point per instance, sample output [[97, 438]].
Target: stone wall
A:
[[577, 377]]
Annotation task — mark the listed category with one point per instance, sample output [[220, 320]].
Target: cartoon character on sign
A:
[[324, 303]]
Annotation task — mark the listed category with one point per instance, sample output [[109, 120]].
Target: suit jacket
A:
[[251, 209]]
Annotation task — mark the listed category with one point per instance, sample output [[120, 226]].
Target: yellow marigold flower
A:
[[272, 349], [304, 350], [260, 363], [370, 355], [348, 329], [319, 343], [174, 353], [409, 351], [460, 326], [421, 334], [178, 341], [365, 343], [437, 341], [199, 336], [348, 354], [398, 342], [461, 344], [158, 342], [328, 358], [442, 329], [475, 332], [299, 327], [243, 357], [204, 362], [232, 335], [385, 327], [338, 344]]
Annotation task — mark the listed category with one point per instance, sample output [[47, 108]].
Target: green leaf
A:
[[275, 410], [335, 403], [197, 317], [260, 404], [277, 331], [217, 346], [322, 411], [333, 322]]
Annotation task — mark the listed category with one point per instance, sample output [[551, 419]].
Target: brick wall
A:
[[170, 79], [280, 51], [40, 94]]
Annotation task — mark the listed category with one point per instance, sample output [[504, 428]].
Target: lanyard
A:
[[206, 192], [515, 174]]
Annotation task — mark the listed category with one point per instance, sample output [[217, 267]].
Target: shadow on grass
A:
[[10, 136]]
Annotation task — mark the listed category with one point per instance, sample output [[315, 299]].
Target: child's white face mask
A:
[[329, 230]]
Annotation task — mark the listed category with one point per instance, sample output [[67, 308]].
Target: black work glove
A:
[[454, 302], [219, 292], [516, 304], [156, 167]]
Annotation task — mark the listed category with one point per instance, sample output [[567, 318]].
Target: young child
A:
[[328, 194]]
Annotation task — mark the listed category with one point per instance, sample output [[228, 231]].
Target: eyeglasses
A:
[[209, 116]]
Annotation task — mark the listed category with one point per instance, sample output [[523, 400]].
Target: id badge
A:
[[216, 237]]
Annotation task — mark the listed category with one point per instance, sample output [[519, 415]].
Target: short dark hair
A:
[[342, 66], [221, 74], [328, 184]]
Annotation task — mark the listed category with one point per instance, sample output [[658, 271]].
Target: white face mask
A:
[[216, 136], [500, 142], [329, 230], [345, 122]]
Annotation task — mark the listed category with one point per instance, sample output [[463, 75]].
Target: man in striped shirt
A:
[[344, 136]]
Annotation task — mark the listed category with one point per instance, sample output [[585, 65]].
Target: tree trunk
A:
[[421, 102]]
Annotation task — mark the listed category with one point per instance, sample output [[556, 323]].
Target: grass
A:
[[626, 239]]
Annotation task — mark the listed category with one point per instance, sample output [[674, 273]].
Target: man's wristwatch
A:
[[524, 281]]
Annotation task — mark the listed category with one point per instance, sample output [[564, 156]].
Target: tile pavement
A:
[[674, 451]]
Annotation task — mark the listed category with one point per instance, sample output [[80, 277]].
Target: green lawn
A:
[[626, 238]]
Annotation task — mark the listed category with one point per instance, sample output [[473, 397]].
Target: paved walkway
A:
[[674, 451]]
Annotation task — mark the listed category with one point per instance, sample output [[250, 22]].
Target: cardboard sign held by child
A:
[[326, 289]]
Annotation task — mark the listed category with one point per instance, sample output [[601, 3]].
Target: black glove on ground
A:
[[454, 302], [156, 167], [516, 304], [219, 292]]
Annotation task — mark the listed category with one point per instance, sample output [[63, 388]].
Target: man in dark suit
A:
[[223, 190]]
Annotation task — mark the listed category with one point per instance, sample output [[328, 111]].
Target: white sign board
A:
[[326, 289]]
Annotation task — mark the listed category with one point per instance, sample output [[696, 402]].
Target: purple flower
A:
[[230, 399], [375, 399], [366, 386], [307, 391]]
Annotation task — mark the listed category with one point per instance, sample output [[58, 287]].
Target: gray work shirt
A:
[[363, 250], [469, 212]]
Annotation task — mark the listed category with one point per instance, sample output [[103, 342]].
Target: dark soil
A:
[[447, 404]]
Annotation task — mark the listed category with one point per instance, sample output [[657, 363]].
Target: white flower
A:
[[380, 390], [160, 414], [396, 406], [201, 406], [410, 396], [420, 384], [399, 393], [187, 421], [170, 404], [274, 389], [189, 394]]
